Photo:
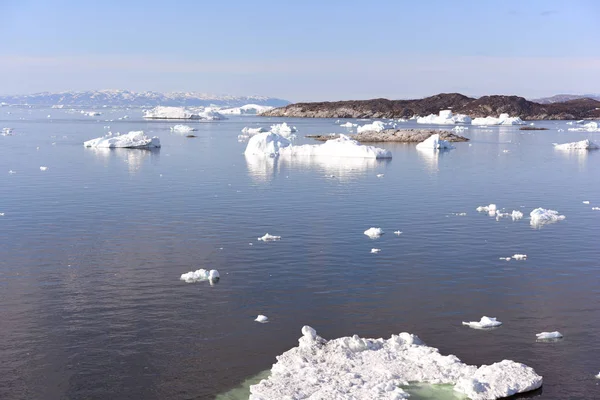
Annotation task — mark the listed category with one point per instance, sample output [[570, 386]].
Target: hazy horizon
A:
[[311, 51]]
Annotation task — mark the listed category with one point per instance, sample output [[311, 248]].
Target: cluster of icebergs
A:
[[446, 117], [273, 145], [591, 126], [161, 112], [131, 140], [538, 217], [283, 129], [503, 119], [248, 109]]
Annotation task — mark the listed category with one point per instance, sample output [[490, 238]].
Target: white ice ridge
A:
[[283, 129], [589, 127], [162, 112], [434, 142], [484, 323], [131, 140], [248, 109], [504, 119], [272, 144], [183, 129], [262, 319], [445, 117], [491, 209], [253, 131], [200, 275], [541, 216], [374, 233], [374, 369], [581, 145], [269, 238], [548, 335]]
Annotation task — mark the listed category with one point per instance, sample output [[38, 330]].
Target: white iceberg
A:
[[434, 142], [484, 323], [374, 233], [262, 319], [581, 145], [520, 256], [398, 233], [375, 251], [586, 202], [283, 129], [162, 112], [491, 209], [380, 175], [516, 215], [376, 126], [445, 117], [183, 129], [42, 168], [269, 238], [504, 119], [598, 376], [200, 275], [7, 131], [369, 369], [273, 145], [548, 335], [248, 109], [253, 131], [589, 127], [348, 125], [541, 216], [131, 140]]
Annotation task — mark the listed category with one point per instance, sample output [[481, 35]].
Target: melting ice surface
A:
[[373, 232], [357, 368], [484, 323], [548, 335], [200, 275], [131, 140]]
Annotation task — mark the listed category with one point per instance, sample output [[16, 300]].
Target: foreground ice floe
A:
[[434, 142], [581, 145], [484, 323], [272, 144], [541, 216], [269, 238], [262, 319], [445, 117], [374, 369], [200, 275], [162, 112], [548, 335], [591, 126], [183, 129], [503, 119], [374, 233], [131, 140]]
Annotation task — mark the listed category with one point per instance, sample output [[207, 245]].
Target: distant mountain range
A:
[[561, 98], [99, 98], [581, 108]]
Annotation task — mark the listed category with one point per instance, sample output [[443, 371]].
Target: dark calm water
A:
[[91, 250]]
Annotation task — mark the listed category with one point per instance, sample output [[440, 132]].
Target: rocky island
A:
[[395, 135], [482, 107]]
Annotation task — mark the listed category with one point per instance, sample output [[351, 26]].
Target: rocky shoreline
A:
[[395, 135], [475, 108]]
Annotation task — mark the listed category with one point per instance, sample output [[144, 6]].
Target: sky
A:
[[305, 50]]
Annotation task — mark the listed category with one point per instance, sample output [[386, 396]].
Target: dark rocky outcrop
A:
[[484, 106], [396, 135]]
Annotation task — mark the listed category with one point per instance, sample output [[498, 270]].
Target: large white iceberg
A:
[[484, 323], [591, 126], [582, 145], [445, 117], [131, 140], [503, 119], [248, 109], [541, 216], [162, 112], [375, 369], [272, 144], [434, 142]]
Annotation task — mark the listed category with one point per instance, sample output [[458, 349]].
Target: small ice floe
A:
[[541, 216], [376, 126], [252, 131], [484, 323], [183, 129], [506, 151], [10, 171], [375, 251], [445, 117], [269, 238], [131, 140], [434, 142], [516, 215], [459, 128], [505, 258], [162, 112], [349, 125], [520, 257], [598, 376], [504, 119], [42, 168], [374, 233], [380, 175], [582, 145], [262, 319], [596, 208], [549, 336], [397, 233], [586, 202], [7, 131], [1, 214], [352, 367], [491, 209], [201, 275]]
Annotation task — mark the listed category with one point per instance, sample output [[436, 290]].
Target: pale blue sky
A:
[[302, 50]]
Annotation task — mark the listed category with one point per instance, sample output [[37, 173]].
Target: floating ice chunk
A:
[[253, 131], [10, 171], [183, 129], [200, 275], [586, 202], [349, 125], [541, 216], [398, 233], [596, 208], [598, 376], [506, 258], [7, 131], [520, 256], [434, 142], [131, 140], [269, 238], [589, 127], [504, 119], [267, 143], [43, 168], [93, 114], [516, 215], [283, 129], [460, 128], [368, 369], [374, 233], [380, 175], [376, 126], [1, 214], [262, 319], [445, 117], [162, 112], [582, 145], [375, 251], [484, 323], [460, 214], [491, 209], [248, 109], [548, 335]]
